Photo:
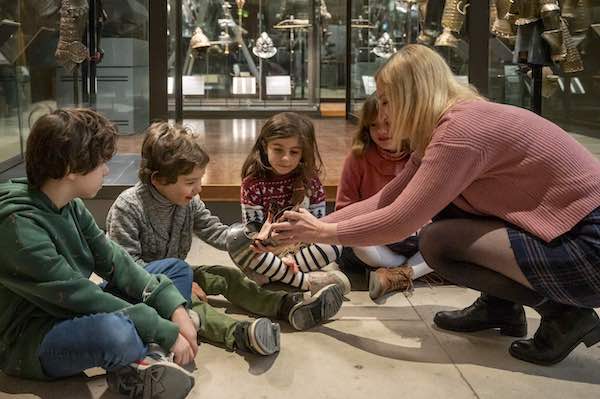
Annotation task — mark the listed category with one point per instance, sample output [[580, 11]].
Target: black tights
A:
[[454, 246]]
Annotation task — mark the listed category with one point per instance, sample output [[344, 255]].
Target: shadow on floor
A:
[[469, 349]]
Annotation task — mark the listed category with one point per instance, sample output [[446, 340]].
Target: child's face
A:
[[184, 189], [87, 186], [379, 130], [284, 154]]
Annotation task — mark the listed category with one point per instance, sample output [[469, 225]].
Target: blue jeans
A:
[[107, 340]]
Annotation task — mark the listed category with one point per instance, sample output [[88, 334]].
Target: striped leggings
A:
[[310, 258]]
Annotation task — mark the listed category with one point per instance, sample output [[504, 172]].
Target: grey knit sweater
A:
[[150, 227]]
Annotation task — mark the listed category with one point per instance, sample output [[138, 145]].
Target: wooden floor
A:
[[229, 141]]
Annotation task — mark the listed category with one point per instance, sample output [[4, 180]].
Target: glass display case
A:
[[244, 55], [65, 53], [378, 28], [565, 69]]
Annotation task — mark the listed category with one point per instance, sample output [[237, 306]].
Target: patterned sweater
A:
[[260, 196], [150, 227], [487, 159]]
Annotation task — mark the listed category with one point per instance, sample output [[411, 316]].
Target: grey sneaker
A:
[[321, 306], [260, 336], [156, 377], [318, 280]]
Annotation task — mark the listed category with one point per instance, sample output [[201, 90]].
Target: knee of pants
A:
[[178, 269], [105, 340], [230, 275], [117, 335]]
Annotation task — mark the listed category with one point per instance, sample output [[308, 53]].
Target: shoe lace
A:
[[432, 279], [401, 281]]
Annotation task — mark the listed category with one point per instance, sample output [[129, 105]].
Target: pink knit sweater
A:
[[364, 176], [488, 159]]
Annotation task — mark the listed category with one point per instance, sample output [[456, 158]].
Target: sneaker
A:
[[385, 280], [307, 313], [318, 280], [156, 377], [260, 336], [331, 267]]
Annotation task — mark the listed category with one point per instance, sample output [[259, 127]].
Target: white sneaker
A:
[[156, 376], [332, 267], [318, 280]]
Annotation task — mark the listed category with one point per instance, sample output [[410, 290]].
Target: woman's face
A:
[[284, 154]]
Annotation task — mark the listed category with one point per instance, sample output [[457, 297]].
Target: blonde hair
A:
[[419, 87], [169, 151]]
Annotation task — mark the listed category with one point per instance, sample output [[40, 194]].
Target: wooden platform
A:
[[335, 110], [229, 141]]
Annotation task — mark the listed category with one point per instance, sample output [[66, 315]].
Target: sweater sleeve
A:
[[371, 204], [317, 198], [35, 271], [252, 208], [122, 226], [348, 191], [209, 227], [444, 173]]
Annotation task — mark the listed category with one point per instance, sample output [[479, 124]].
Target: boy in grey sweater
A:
[[156, 219]]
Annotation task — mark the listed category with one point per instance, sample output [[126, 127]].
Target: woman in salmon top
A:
[[513, 198]]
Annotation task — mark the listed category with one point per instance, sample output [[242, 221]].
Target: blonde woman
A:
[[514, 202]]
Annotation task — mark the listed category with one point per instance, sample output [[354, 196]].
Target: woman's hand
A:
[[182, 351], [302, 226]]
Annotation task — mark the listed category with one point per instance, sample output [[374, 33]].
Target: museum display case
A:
[[247, 55]]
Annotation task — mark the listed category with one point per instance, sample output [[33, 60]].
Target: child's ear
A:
[[155, 178]]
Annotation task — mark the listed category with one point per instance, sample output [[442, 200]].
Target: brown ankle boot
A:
[[384, 280]]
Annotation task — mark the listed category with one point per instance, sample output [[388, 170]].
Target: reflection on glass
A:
[[10, 134], [123, 72], [232, 48], [380, 27], [333, 48], [562, 41], [45, 63]]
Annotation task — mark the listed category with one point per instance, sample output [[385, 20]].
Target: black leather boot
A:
[[485, 313], [559, 333]]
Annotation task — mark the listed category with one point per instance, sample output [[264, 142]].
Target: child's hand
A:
[[182, 351], [290, 263], [199, 292], [265, 230], [186, 328]]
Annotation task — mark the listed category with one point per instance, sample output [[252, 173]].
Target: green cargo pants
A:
[[240, 291]]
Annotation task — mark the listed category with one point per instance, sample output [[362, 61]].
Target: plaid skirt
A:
[[567, 269]]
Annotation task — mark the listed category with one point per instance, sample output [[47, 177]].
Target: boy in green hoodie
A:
[[56, 322]]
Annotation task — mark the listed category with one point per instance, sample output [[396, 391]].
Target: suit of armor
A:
[[543, 36], [452, 22], [70, 51]]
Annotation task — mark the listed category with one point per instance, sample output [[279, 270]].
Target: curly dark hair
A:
[[170, 151], [68, 141]]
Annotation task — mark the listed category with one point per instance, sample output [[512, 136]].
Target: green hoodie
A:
[[46, 258]]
